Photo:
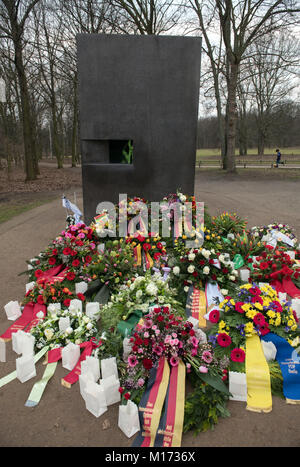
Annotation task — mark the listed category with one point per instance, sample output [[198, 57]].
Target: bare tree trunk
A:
[[231, 118], [27, 120]]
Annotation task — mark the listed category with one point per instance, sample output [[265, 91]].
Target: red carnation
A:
[[70, 276], [214, 316], [81, 296], [223, 339], [121, 390], [67, 302], [147, 363], [75, 263], [237, 355], [52, 260], [127, 395], [40, 300], [38, 273], [67, 251], [88, 259]]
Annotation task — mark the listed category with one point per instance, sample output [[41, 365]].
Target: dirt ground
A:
[[60, 419]]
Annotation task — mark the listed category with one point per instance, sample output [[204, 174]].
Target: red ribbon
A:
[[54, 355], [20, 323], [286, 286]]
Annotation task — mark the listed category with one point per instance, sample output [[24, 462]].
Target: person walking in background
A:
[[278, 161]]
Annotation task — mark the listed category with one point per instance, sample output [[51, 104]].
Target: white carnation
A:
[[206, 270], [191, 256], [191, 269], [151, 289], [176, 270]]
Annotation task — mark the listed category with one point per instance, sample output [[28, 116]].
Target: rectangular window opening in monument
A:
[[121, 151]]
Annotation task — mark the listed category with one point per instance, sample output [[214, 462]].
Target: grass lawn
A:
[[216, 152], [12, 208]]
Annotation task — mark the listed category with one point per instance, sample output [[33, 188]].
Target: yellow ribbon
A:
[[178, 425], [138, 254], [259, 396], [199, 306]]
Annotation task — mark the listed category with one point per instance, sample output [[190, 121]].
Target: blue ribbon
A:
[[289, 362]]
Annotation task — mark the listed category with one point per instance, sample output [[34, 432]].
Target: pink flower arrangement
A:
[[164, 334]]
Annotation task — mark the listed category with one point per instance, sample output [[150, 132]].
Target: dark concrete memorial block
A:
[[143, 89]]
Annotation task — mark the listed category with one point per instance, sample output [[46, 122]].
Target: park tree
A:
[[232, 26], [14, 15], [272, 63]]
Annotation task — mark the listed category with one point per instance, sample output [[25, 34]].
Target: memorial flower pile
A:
[[285, 229], [275, 264], [74, 248], [198, 266], [165, 334], [113, 266], [139, 286], [254, 311], [228, 223], [80, 328], [138, 294]]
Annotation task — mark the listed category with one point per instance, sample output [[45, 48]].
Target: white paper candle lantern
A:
[[64, 323], [2, 351], [70, 356], [81, 287], [91, 365], [244, 274], [27, 344], [296, 306], [128, 421], [92, 310], [29, 286], [12, 310], [75, 305], [83, 380], [25, 367], [237, 386], [95, 401], [111, 387], [109, 367], [269, 350], [16, 339], [127, 347], [282, 296], [291, 254]]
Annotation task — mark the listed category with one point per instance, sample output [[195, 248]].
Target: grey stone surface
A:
[[145, 89]]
